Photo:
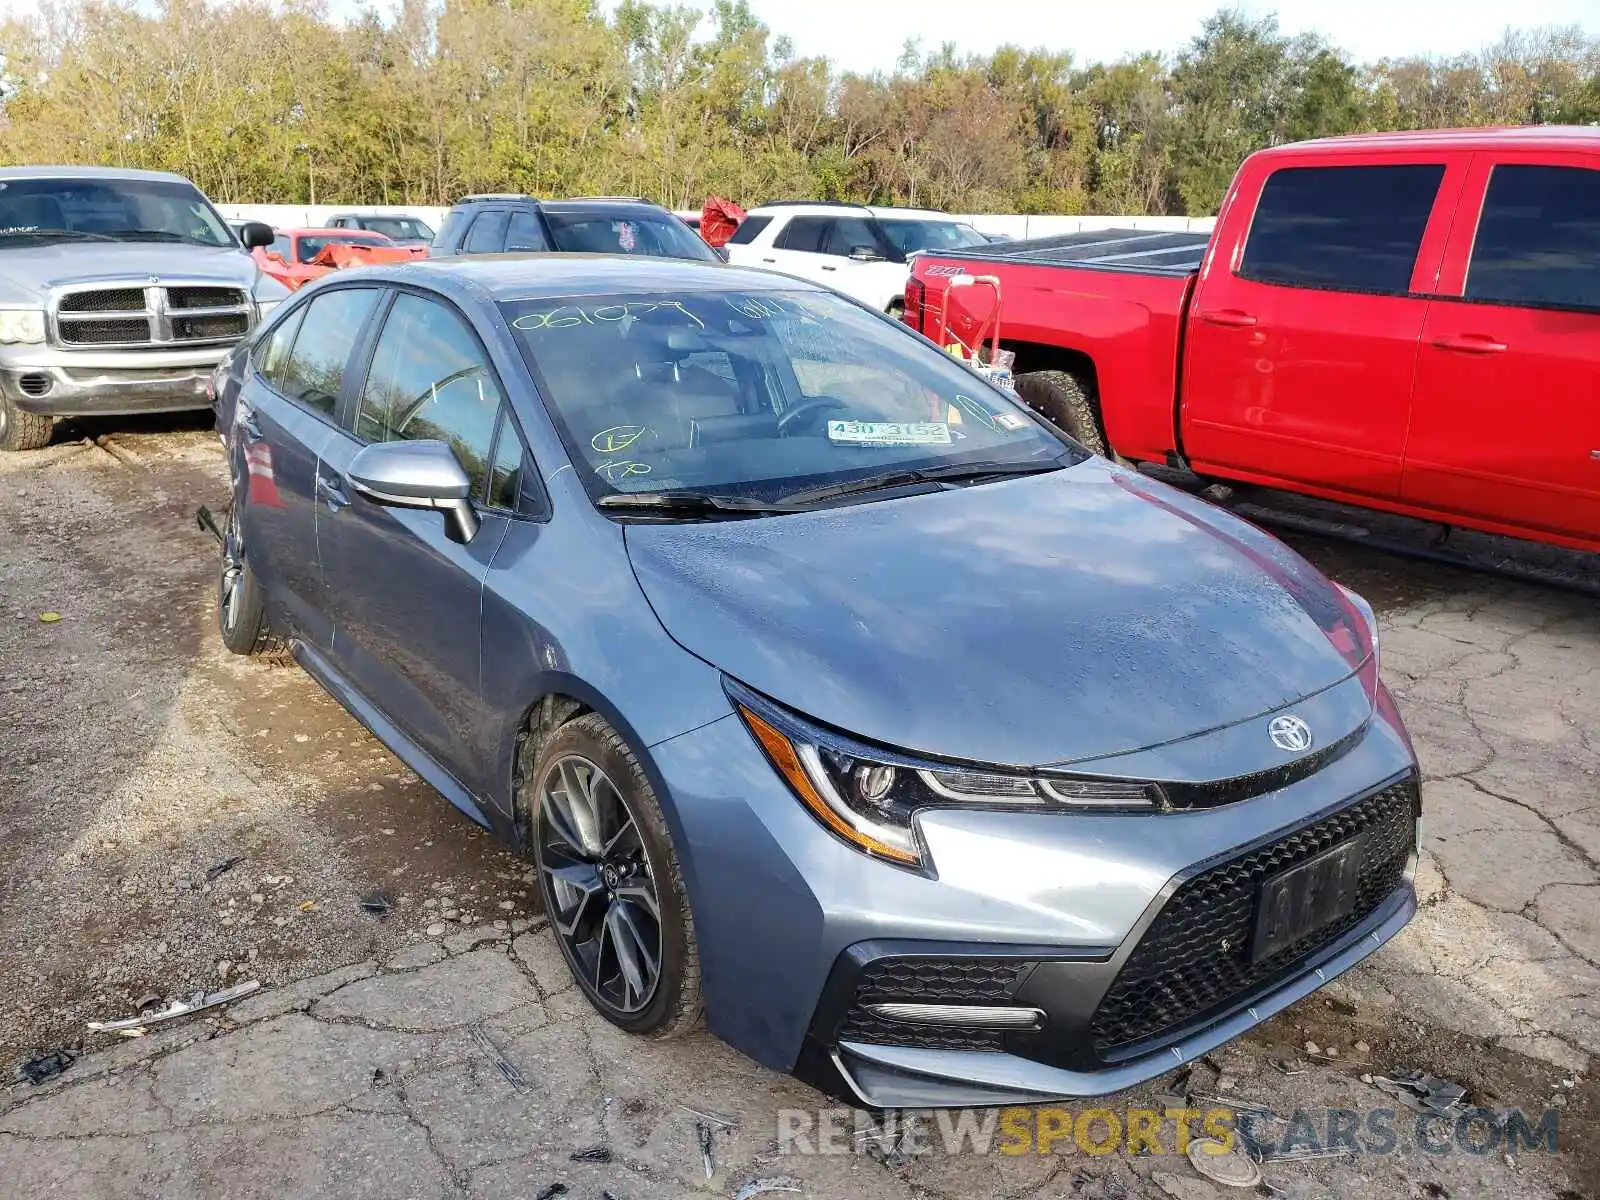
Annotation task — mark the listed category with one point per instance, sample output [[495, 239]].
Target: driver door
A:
[[406, 599]]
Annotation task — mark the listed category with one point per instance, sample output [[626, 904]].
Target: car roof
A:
[[617, 206], [826, 208], [91, 173], [533, 276], [1523, 137], [322, 231]]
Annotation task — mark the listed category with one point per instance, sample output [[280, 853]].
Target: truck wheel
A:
[[1069, 402], [22, 430]]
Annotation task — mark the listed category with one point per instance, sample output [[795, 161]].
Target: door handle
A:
[[826, 267], [769, 260], [1230, 318], [252, 431], [329, 491], [1471, 343]]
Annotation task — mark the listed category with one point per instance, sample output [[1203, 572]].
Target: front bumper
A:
[[41, 379], [784, 911]]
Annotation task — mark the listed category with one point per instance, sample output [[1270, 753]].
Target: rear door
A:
[[285, 416], [797, 248], [406, 599], [1506, 422], [1302, 338]]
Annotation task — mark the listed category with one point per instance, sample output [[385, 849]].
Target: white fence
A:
[[287, 216]]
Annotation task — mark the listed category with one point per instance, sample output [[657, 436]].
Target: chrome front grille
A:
[[159, 314]]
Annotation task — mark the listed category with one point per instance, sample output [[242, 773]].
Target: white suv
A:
[[859, 250]]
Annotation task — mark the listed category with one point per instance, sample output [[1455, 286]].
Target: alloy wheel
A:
[[231, 583], [600, 887]]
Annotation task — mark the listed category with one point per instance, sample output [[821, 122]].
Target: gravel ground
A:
[[137, 758]]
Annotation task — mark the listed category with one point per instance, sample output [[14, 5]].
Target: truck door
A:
[[1506, 419], [1303, 332]]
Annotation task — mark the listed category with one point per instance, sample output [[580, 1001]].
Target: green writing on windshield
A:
[[569, 316]]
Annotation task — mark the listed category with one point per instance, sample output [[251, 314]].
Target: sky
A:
[[867, 35]]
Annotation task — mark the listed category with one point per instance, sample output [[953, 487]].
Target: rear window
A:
[[597, 233], [1354, 229], [1539, 238], [749, 229], [487, 235], [803, 233]]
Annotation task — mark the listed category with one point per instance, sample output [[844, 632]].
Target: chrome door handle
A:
[[331, 493], [252, 431]]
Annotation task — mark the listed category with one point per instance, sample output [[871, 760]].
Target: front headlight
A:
[[869, 797], [21, 325]]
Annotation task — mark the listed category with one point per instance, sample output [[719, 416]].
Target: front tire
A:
[[611, 883], [1068, 401], [21, 430]]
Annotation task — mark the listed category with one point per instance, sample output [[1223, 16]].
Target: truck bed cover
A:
[[1140, 250]]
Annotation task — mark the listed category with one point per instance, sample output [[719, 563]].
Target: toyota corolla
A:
[[839, 699]]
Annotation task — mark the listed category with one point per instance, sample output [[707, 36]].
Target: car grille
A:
[[930, 981], [112, 300], [1194, 960], [204, 297], [176, 315], [102, 332]]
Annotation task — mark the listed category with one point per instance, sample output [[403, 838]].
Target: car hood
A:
[[26, 272], [1042, 620]]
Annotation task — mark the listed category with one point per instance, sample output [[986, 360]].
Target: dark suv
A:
[[515, 224]]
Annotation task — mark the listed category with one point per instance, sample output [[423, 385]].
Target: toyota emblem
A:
[[1290, 733]]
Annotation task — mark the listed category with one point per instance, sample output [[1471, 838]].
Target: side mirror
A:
[[865, 254], [255, 234], [421, 474]]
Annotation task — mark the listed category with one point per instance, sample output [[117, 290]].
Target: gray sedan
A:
[[838, 698]]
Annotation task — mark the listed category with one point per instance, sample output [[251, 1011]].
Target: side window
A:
[[524, 233], [1538, 238], [449, 232], [1353, 229], [314, 372], [848, 233], [430, 380], [487, 235], [803, 233], [749, 229], [505, 474], [273, 350]]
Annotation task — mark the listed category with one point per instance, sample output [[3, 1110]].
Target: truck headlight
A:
[[21, 325]]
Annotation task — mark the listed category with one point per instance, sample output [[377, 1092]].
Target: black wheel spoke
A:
[[602, 895]]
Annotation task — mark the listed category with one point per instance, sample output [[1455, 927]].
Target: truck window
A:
[[1354, 229], [1538, 239]]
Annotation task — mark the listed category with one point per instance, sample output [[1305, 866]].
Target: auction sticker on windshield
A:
[[889, 433]]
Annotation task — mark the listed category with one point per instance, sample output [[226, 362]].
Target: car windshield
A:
[[307, 248], [401, 229], [660, 237], [908, 237], [760, 395], [122, 210]]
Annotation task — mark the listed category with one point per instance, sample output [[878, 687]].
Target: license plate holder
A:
[[1294, 904]]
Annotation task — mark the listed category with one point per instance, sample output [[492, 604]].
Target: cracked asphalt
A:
[[382, 1061]]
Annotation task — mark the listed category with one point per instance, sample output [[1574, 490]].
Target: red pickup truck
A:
[[1404, 321]]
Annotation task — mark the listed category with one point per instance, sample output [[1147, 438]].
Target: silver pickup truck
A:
[[120, 291]]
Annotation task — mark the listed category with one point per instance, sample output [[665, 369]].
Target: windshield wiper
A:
[[157, 235], [693, 503], [78, 233], [943, 473]]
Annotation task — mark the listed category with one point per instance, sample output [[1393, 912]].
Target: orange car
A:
[[297, 256]]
